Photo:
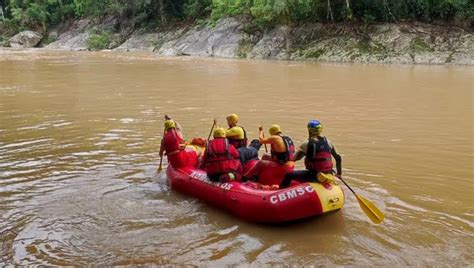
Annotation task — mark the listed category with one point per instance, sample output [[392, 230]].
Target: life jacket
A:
[[287, 155], [171, 141], [273, 173], [318, 156], [238, 143], [176, 157], [218, 158]]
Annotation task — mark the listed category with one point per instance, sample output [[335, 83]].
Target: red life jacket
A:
[[238, 143], [273, 173], [318, 156], [287, 155], [171, 141], [218, 158], [176, 156]]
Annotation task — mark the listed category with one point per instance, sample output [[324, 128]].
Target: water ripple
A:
[[80, 134]]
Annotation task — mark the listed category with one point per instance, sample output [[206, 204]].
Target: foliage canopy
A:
[[41, 13]]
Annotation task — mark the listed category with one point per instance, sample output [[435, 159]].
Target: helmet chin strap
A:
[[314, 132]]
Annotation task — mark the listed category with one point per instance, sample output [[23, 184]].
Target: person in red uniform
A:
[[173, 144], [317, 151], [221, 159]]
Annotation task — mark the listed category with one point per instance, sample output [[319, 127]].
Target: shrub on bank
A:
[[8, 28], [4, 41], [99, 41]]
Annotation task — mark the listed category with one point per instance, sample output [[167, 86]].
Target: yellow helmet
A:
[[169, 124], [219, 133], [275, 129], [232, 119]]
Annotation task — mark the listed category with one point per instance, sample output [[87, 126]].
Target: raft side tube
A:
[[263, 206]]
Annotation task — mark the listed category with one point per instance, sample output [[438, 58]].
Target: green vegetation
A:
[[300, 11], [419, 45], [450, 57], [51, 38], [314, 53], [3, 41], [244, 50], [310, 53], [41, 14], [99, 41]]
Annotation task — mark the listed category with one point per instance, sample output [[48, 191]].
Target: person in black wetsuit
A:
[[317, 151]]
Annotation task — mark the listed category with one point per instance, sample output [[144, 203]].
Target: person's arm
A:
[[162, 148], [301, 152], [262, 139], [202, 163], [338, 159], [269, 140], [299, 155], [179, 130], [178, 126]]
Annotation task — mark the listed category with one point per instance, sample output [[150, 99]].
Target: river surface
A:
[[79, 140]]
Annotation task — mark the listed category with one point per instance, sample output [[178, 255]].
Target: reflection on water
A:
[[79, 136]]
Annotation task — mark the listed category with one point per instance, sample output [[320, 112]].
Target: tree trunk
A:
[[162, 12], [2, 3], [330, 15], [349, 11], [389, 11], [2, 17]]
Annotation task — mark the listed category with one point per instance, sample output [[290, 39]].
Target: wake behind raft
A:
[[247, 201]]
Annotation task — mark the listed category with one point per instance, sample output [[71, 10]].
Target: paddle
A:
[[260, 128], [374, 214], [212, 128], [160, 168]]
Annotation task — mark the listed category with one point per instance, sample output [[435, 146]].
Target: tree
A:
[[2, 3], [330, 15]]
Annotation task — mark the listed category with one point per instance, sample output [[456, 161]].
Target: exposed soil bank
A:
[[237, 38]]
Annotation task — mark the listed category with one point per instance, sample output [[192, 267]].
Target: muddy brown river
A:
[[79, 141]]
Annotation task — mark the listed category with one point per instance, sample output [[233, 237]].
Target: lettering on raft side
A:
[[291, 194], [203, 177]]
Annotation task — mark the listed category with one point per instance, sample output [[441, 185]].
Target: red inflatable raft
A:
[[263, 206]]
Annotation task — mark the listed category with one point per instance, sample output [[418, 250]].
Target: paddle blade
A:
[[374, 214]]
